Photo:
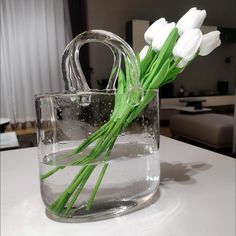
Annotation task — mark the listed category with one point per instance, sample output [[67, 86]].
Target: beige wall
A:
[[203, 73]]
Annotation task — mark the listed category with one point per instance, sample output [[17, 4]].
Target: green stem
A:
[[78, 191], [51, 172], [59, 204], [106, 141], [93, 137], [101, 175]]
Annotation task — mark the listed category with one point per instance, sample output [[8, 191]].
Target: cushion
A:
[[215, 130]]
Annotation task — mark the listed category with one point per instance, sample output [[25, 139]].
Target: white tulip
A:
[[182, 64], [210, 41], [143, 52], [188, 44], [161, 37], [191, 20], [154, 29]]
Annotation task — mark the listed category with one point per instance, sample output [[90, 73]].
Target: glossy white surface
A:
[[8, 140], [197, 198]]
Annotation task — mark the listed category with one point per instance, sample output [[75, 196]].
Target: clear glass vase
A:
[[97, 160]]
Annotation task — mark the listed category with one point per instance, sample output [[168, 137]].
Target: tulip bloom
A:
[[182, 64], [154, 30], [188, 44], [143, 52], [210, 41], [191, 20], [160, 38]]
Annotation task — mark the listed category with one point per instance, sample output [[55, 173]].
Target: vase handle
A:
[[72, 72]]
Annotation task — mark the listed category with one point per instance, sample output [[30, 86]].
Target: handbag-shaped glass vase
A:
[[98, 150]]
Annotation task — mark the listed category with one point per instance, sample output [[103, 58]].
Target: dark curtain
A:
[[78, 18]]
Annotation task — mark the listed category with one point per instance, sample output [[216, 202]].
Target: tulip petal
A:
[[188, 44], [210, 41], [143, 52], [154, 30], [191, 20], [160, 39], [182, 64]]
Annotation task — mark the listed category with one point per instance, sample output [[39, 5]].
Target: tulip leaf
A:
[[120, 91], [147, 60], [173, 73], [153, 71], [161, 75], [145, 77], [128, 81], [152, 65], [138, 60], [166, 50], [150, 93], [121, 82], [149, 69]]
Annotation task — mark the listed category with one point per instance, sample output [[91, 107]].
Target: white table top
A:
[[197, 198], [8, 140]]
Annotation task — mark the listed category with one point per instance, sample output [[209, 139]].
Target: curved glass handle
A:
[[73, 75]]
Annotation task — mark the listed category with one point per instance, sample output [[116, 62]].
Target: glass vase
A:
[[97, 160], [133, 171]]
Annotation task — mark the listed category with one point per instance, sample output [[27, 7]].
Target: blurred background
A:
[[34, 34]]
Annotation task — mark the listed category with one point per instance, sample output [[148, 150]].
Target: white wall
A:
[[112, 15]]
